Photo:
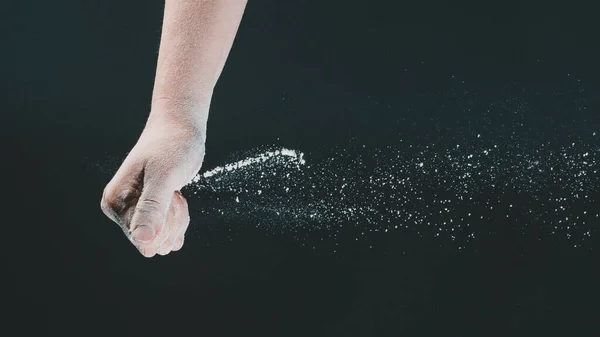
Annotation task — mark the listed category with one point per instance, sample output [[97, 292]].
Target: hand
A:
[[143, 197]]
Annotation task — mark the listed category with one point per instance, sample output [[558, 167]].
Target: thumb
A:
[[150, 213]]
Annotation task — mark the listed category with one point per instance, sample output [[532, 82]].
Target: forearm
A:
[[196, 38]]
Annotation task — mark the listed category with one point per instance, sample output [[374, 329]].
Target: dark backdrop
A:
[[76, 84]]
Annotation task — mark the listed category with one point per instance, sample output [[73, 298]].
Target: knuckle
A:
[[178, 244], [150, 210], [106, 203], [149, 205], [103, 205], [164, 250], [118, 201]]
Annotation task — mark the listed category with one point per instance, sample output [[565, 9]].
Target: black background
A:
[[76, 83]]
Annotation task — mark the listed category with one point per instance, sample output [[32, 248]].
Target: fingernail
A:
[[143, 233]]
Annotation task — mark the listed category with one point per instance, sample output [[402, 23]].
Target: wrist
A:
[[189, 109], [185, 115]]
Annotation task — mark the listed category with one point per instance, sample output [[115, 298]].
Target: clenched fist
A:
[[143, 197]]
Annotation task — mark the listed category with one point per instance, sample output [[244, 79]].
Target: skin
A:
[[144, 196]]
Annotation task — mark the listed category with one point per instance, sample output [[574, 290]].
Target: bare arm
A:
[[144, 196], [197, 36]]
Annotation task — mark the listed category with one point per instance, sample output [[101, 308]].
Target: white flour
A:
[[439, 193], [291, 155], [456, 188]]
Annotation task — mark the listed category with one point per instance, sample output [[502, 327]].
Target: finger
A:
[[172, 228], [172, 225], [178, 244], [177, 222], [119, 204], [151, 210], [185, 215], [147, 251], [121, 193]]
